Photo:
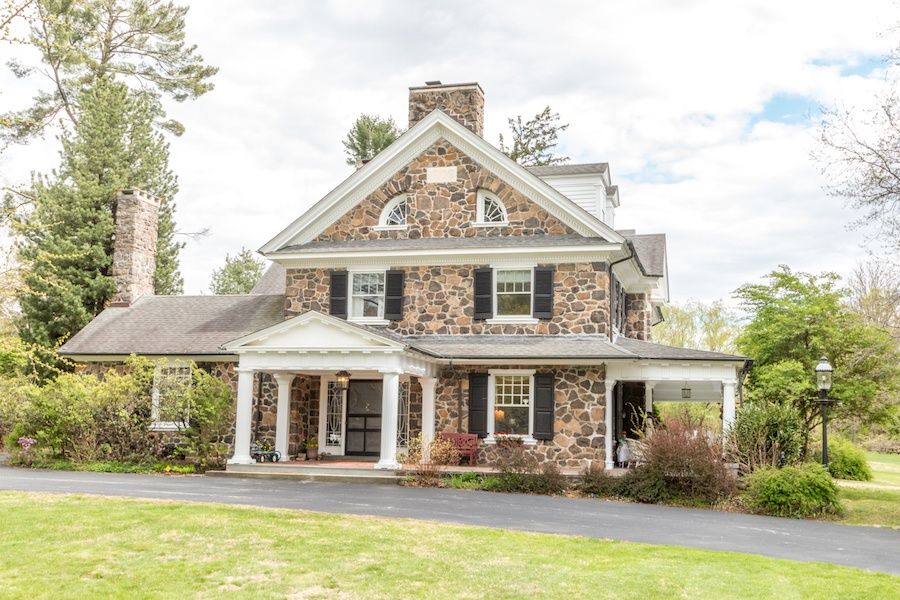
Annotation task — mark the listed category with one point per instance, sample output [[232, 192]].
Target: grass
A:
[[113, 466], [875, 503], [59, 546]]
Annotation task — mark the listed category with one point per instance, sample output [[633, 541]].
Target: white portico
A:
[[671, 380], [315, 344]]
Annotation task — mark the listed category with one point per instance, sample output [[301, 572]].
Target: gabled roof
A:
[[179, 325], [583, 169], [651, 252], [413, 142], [272, 281], [316, 331]]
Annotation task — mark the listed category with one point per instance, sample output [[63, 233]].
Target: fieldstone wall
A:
[[443, 209], [464, 102], [134, 249], [580, 412], [440, 300], [638, 317]]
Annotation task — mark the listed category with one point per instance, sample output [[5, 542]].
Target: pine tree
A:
[[369, 135], [239, 274], [533, 140], [69, 233]]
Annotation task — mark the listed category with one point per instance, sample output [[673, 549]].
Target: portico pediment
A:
[[315, 331]]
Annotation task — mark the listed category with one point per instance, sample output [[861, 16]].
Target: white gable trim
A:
[[421, 136], [367, 341]]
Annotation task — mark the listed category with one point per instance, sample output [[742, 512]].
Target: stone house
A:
[[460, 291]]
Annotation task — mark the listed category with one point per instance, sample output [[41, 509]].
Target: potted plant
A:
[[312, 448]]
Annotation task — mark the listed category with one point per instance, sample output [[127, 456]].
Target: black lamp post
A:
[[823, 382], [343, 380]]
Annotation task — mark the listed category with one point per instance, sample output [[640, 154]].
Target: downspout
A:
[[611, 297]]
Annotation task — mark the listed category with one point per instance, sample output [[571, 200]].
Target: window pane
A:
[[514, 304], [511, 419]]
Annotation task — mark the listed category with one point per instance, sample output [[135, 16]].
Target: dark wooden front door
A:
[[364, 418]]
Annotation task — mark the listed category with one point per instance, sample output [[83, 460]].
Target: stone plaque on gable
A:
[[441, 175]]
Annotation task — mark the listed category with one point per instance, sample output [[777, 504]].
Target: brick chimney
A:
[[134, 251], [462, 101]]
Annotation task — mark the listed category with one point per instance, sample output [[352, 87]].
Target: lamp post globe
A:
[[823, 382]]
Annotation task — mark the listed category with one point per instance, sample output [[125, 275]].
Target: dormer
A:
[[586, 185]]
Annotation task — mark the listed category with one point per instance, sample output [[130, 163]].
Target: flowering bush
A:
[[26, 443], [501, 437]]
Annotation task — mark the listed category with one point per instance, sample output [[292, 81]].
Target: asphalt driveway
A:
[[864, 547]]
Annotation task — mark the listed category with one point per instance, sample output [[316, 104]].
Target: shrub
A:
[[596, 481], [520, 471], [427, 460], [679, 462], [801, 491], [647, 486], [845, 461], [761, 432], [882, 443]]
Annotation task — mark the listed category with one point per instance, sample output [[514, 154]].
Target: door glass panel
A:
[[373, 442], [356, 423], [364, 398], [355, 442], [373, 423]]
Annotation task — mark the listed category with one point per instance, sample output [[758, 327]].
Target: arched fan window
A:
[[491, 210], [395, 213]]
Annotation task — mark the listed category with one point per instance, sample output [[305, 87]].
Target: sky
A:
[[706, 112]]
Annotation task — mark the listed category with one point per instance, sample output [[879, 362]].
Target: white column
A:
[[283, 414], [728, 409], [243, 418], [428, 384], [610, 426], [648, 398], [390, 400]]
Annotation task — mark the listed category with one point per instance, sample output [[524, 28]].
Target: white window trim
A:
[[517, 319], [386, 211], [528, 440], [155, 423], [479, 216], [337, 449], [365, 320]]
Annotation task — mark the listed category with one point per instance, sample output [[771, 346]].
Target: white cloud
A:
[[671, 94]]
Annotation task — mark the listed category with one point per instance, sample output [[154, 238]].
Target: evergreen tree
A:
[[533, 140], [369, 135], [69, 233], [239, 274]]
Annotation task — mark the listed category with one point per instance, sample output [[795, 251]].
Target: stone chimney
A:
[[462, 101], [134, 251]]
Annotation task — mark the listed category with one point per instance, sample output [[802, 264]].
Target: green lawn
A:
[[58, 546], [876, 502]]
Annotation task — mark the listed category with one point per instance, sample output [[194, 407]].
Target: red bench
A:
[[466, 444]]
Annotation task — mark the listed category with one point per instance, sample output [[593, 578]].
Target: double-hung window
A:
[[168, 407], [515, 402], [514, 294], [373, 297], [512, 403], [367, 296]]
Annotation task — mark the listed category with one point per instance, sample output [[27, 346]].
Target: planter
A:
[[312, 453]]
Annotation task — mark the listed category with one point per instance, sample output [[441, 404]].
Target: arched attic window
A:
[[491, 210], [394, 214]]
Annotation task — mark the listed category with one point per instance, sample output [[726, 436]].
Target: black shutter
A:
[[478, 398], [338, 301], [393, 295], [484, 293], [544, 413], [542, 293]]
